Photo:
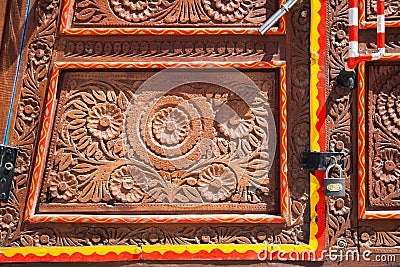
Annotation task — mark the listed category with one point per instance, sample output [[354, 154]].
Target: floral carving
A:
[[262, 234], [206, 235], [340, 142], [170, 126], [188, 11], [228, 10], [367, 237], [153, 235], [28, 110], [39, 52], [105, 121], [217, 182], [386, 166], [8, 223], [339, 36], [124, 184], [63, 186], [384, 185], [339, 206], [235, 120]]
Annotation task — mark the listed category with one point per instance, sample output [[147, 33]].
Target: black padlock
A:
[[334, 186]]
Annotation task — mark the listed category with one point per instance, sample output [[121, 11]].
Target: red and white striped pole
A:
[[354, 57], [353, 34]]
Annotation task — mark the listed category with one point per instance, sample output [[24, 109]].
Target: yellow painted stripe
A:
[[55, 251]]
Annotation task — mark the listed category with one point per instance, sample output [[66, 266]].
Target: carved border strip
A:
[[44, 140], [362, 212], [372, 24], [66, 17]]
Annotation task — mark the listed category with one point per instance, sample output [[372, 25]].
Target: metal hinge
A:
[[8, 156], [316, 161]]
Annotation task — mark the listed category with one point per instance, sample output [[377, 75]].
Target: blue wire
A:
[[21, 48]]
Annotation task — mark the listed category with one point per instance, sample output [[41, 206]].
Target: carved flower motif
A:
[[206, 235], [63, 186], [105, 121], [339, 206], [39, 52], [22, 163], [45, 237], [386, 165], [367, 237], [227, 10], [340, 142], [153, 235], [94, 236], [135, 11], [388, 107], [235, 120], [8, 222], [29, 109], [124, 184], [338, 34], [216, 182], [261, 234], [170, 126]]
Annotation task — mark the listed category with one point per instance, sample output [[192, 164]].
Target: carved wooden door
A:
[[108, 170], [363, 124]]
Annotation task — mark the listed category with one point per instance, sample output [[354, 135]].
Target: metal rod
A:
[[354, 58], [276, 16]]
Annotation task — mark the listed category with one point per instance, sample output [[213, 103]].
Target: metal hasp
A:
[[319, 161], [8, 156], [276, 16]]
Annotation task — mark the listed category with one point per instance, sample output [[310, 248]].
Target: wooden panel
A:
[[87, 17], [92, 167]]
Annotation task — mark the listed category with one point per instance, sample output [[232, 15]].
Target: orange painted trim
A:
[[67, 15], [49, 110], [363, 213]]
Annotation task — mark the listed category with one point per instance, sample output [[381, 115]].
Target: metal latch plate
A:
[[319, 161], [8, 156]]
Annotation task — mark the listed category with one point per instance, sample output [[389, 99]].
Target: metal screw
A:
[[3, 195], [3, 180], [8, 166]]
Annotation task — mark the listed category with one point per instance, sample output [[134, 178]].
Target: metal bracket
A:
[[8, 156], [320, 160]]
